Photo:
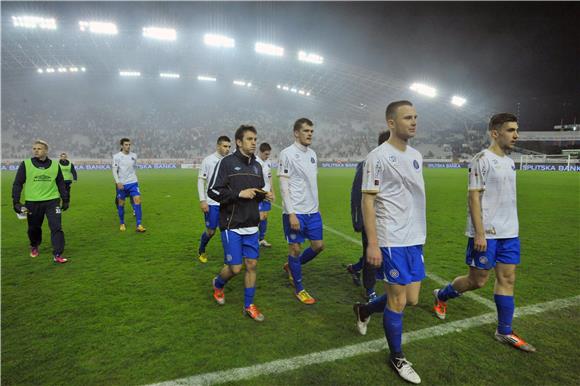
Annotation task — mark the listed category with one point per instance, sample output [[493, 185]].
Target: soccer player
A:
[[44, 188], [124, 163], [209, 207], [394, 220], [492, 229], [265, 206], [237, 184], [369, 272], [68, 171], [298, 171]]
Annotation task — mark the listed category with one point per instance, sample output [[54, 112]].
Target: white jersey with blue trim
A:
[[396, 177], [206, 170], [267, 171], [299, 164], [124, 168], [495, 177]]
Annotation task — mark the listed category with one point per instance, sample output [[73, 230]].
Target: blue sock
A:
[[505, 313], [219, 282], [307, 255], [263, 225], [203, 243], [393, 325], [377, 305], [138, 213], [448, 292], [249, 296], [296, 270], [121, 212], [358, 266]]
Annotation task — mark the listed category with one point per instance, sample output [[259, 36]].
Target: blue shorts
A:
[[265, 206], [310, 228], [212, 217], [237, 247], [128, 190], [505, 251], [403, 265]]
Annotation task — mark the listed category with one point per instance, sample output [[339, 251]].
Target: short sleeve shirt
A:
[[125, 165], [299, 164], [267, 170], [206, 171]]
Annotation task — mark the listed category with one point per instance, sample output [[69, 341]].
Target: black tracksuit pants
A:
[[37, 211]]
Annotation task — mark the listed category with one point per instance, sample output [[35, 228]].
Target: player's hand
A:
[[479, 243], [120, 186], [248, 193], [204, 206], [294, 223], [269, 196], [64, 206], [273, 199], [374, 256], [19, 208]]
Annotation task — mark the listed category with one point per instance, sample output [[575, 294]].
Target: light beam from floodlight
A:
[[98, 27], [160, 33], [219, 41], [239, 83], [130, 73], [169, 75], [424, 89], [458, 101], [269, 49], [33, 22], [310, 57], [206, 78]]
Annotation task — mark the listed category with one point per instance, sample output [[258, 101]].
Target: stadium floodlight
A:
[[73, 69], [50, 69], [293, 90], [130, 73], [83, 69], [169, 75], [278, 87], [239, 83], [40, 71], [218, 41], [285, 88], [33, 22], [248, 84], [98, 27], [308, 93], [458, 101], [301, 92], [206, 78], [269, 49], [310, 57], [62, 69], [424, 89], [159, 33]]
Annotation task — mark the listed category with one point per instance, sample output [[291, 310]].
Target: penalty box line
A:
[[295, 363]]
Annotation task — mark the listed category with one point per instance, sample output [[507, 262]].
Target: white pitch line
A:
[[284, 365]]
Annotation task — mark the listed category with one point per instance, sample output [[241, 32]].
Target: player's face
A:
[[304, 135], [63, 157], [404, 125], [126, 147], [223, 148], [39, 151], [264, 155], [506, 136], [248, 143]]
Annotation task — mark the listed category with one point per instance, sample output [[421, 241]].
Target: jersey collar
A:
[[300, 146]]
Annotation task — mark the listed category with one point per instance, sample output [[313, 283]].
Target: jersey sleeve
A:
[[372, 174], [204, 170], [284, 165], [478, 171], [115, 168]]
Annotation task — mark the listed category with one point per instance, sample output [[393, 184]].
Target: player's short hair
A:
[[123, 140], [265, 146], [242, 130], [302, 121], [391, 111], [41, 142], [497, 120], [63, 153], [384, 136], [223, 138]]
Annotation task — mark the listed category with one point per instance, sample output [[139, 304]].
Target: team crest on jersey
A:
[[237, 168], [394, 273], [312, 160], [296, 155], [416, 164]]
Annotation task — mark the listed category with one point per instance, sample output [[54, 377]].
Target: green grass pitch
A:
[[137, 309]]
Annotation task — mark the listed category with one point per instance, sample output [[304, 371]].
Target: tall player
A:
[[124, 163], [209, 207], [492, 229], [265, 206], [298, 172], [394, 220]]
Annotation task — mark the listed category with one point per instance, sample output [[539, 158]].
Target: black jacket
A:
[[20, 180], [233, 174], [356, 199], [65, 162]]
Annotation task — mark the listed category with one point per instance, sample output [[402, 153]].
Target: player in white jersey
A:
[[124, 163], [393, 205], [209, 207], [265, 206], [492, 229], [298, 171]]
